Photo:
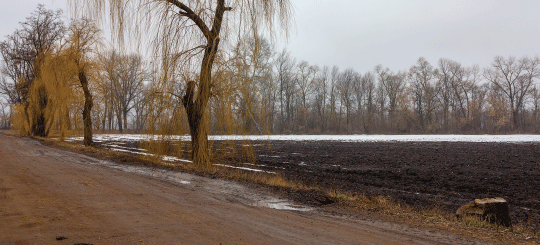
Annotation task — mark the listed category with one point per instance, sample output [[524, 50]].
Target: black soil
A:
[[423, 174]]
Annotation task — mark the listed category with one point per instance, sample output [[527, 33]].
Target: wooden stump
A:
[[494, 210]]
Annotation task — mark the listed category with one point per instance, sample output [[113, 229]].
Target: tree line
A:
[[280, 95], [53, 75]]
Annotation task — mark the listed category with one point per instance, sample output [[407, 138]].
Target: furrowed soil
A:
[[422, 174]]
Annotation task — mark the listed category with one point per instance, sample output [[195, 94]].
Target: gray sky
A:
[[394, 33]]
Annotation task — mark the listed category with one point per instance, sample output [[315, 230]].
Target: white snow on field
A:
[[114, 139], [515, 138]]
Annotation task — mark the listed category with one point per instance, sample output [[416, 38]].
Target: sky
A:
[[394, 33]]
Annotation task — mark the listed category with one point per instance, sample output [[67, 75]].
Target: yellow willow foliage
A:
[[19, 119], [167, 117], [61, 103], [187, 35], [56, 78]]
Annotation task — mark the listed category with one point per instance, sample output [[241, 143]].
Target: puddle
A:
[[280, 204]]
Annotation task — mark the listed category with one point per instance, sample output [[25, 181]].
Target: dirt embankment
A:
[[47, 194]]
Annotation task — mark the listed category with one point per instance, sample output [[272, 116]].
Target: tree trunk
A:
[[199, 142], [104, 119], [198, 128], [515, 119], [39, 122], [196, 108], [119, 121], [88, 103], [125, 119]]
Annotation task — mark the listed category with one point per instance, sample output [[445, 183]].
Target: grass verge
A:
[[379, 206]]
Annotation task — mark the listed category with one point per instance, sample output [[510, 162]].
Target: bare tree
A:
[[253, 63], [393, 85], [321, 96], [368, 84], [382, 75], [333, 97], [464, 96], [346, 92], [448, 73], [305, 82], [141, 107], [284, 76], [124, 75], [422, 77], [515, 78]]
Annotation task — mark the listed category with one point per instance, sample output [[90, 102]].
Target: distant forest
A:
[[263, 91]]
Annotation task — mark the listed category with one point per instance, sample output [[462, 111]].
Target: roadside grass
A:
[[380, 206], [436, 218]]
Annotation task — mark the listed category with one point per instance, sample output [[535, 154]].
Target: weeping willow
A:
[[56, 96], [83, 41], [55, 81], [191, 39]]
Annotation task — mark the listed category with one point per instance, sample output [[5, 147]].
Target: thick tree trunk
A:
[[39, 123], [88, 103], [125, 119], [199, 143], [515, 119], [196, 108], [119, 121], [198, 128]]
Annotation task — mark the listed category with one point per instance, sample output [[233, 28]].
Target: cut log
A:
[[494, 210]]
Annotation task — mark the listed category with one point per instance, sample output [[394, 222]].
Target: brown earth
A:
[[48, 194]]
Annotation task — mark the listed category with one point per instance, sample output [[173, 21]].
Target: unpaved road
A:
[[47, 193]]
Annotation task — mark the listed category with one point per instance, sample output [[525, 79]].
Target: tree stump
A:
[[493, 210]]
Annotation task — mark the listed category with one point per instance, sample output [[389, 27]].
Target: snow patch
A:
[[244, 168], [344, 138]]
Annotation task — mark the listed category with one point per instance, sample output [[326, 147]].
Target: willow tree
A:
[[56, 78], [188, 36], [84, 37], [24, 53]]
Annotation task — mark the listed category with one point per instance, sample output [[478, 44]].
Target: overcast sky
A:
[[394, 33]]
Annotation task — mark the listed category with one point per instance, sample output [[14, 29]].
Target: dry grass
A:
[[381, 206], [436, 218]]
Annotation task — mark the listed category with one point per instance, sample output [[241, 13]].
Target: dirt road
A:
[[47, 194]]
